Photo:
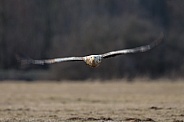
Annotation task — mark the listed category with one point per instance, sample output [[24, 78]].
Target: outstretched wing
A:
[[49, 61], [135, 50]]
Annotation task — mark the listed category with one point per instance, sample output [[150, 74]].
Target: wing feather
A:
[[135, 50]]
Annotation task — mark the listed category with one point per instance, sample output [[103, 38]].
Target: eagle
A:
[[95, 60]]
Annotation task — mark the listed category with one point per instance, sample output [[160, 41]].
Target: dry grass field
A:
[[92, 101]]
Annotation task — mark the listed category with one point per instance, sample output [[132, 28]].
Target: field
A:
[[94, 101]]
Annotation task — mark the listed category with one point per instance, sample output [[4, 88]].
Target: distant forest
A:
[[42, 29]]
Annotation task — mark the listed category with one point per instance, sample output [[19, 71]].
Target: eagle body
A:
[[93, 60]]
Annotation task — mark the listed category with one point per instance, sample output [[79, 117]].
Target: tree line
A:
[[43, 29]]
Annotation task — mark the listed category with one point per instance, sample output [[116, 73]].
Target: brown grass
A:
[[92, 101]]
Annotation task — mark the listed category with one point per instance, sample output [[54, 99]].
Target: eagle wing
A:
[[49, 61], [135, 50]]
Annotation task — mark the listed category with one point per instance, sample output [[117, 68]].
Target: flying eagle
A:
[[95, 60]]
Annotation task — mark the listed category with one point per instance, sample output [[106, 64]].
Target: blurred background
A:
[[43, 29]]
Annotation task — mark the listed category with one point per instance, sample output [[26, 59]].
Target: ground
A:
[[94, 101]]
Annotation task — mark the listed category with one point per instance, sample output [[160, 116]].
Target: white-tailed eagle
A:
[[95, 60]]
